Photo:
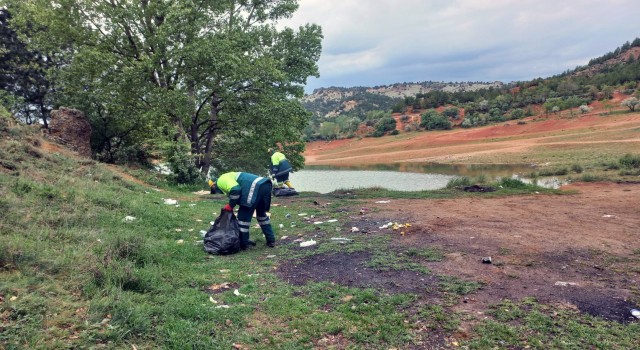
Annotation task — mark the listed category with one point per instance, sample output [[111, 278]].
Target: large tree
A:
[[218, 75], [23, 74]]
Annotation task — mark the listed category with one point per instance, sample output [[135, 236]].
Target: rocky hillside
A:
[[328, 102]]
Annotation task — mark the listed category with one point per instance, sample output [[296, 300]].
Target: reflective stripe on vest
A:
[[252, 189]]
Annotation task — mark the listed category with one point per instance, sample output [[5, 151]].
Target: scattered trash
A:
[[486, 260], [198, 220], [288, 215], [13, 298], [178, 230], [271, 256], [383, 202], [284, 237], [180, 241], [190, 230], [635, 313], [332, 220], [212, 300], [341, 240], [318, 222], [170, 201], [224, 271], [222, 307], [303, 214], [237, 293], [192, 205], [281, 226], [203, 232], [564, 284], [129, 218], [394, 225], [299, 240], [308, 243], [608, 216], [355, 229]]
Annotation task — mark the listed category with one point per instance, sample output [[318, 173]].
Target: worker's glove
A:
[[227, 208]]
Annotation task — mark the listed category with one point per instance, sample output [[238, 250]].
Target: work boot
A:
[[251, 243], [271, 244]]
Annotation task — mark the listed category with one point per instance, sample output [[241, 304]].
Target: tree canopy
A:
[[219, 76]]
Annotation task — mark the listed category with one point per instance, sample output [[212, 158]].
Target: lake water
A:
[[400, 176]]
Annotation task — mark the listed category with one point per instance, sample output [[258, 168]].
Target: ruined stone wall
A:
[[70, 127]]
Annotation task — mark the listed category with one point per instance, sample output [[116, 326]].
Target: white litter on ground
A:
[[308, 243], [383, 202], [129, 218], [170, 201], [332, 220], [564, 284]]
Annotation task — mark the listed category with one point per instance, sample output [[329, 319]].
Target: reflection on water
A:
[[406, 176], [470, 170], [325, 181]]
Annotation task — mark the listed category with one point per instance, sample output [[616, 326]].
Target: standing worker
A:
[[252, 193], [280, 167]]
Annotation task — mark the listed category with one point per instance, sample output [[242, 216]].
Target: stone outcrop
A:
[[70, 127]]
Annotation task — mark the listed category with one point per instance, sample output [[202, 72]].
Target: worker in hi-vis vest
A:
[[280, 167], [251, 193]]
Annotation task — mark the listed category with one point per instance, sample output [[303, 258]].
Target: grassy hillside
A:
[[75, 273]]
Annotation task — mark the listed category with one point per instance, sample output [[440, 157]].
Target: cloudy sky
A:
[[380, 42]]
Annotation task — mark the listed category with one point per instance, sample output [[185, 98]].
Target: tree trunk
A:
[[213, 128]]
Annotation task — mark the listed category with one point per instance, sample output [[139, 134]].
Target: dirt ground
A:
[[579, 250]]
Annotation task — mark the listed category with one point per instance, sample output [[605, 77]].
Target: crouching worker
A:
[[250, 192], [280, 167]]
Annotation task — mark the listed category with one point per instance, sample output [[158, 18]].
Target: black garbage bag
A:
[[224, 235], [284, 192]]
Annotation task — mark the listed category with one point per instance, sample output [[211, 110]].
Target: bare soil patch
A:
[[578, 250]]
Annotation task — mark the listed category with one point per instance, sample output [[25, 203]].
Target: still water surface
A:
[[397, 176]]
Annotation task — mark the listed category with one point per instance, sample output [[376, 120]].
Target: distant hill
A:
[[330, 102]]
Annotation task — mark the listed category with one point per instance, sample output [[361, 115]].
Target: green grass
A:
[[529, 324]]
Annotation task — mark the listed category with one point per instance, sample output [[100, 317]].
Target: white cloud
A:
[[376, 42]]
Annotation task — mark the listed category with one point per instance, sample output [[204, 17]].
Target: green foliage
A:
[[630, 161], [385, 124], [432, 120], [517, 113], [631, 103], [222, 76], [181, 164], [451, 112]]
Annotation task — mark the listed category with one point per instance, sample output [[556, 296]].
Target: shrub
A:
[[576, 168], [512, 183], [517, 113], [584, 109], [630, 161]]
